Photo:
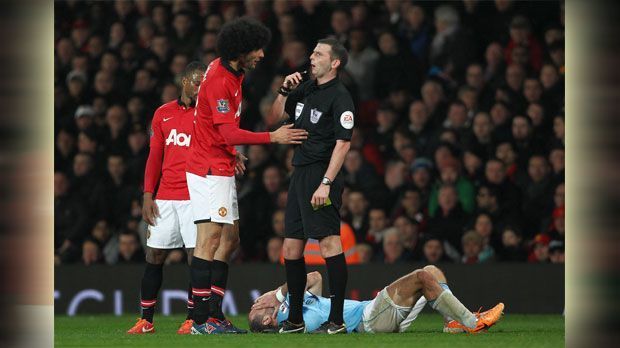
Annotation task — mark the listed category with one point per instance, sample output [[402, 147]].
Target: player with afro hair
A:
[[240, 38]]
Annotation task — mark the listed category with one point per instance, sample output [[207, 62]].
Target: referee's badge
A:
[[315, 115], [298, 109]]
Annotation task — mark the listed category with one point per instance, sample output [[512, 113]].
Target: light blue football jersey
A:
[[316, 311]]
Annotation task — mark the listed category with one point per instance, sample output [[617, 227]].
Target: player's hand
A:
[[239, 165], [266, 300], [150, 211], [293, 80], [319, 198], [288, 135]]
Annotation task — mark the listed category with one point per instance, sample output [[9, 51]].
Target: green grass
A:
[[109, 331]]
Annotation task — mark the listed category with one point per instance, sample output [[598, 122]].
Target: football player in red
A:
[[169, 215], [212, 163]]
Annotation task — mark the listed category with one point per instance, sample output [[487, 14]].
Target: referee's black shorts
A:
[[303, 222]]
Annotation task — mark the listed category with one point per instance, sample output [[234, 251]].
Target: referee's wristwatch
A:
[[326, 181]]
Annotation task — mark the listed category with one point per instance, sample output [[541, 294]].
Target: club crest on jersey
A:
[[222, 211], [315, 115], [298, 109], [222, 106]]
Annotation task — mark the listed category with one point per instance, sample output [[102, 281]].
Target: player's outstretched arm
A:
[[234, 135]]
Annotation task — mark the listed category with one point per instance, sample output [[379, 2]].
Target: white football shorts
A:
[[383, 315], [214, 198], [174, 228]]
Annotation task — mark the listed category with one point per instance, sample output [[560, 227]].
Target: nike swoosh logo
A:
[[237, 92], [330, 332], [169, 118], [149, 330]]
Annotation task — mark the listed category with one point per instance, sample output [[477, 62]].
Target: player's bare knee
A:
[[436, 272]]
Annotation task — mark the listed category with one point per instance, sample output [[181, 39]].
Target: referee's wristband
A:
[[284, 91], [280, 296]]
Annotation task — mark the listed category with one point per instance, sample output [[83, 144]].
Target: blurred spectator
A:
[[409, 237], [277, 223], [129, 248], [411, 206], [449, 175], [420, 127], [448, 223], [482, 140], [557, 227], [540, 249], [483, 225], [505, 152], [433, 251], [64, 150], [472, 247], [556, 159], [451, 37], [70, 221], [521, 35], [512, 249], [507, 192], [421, 171], [357, 206], [377, 223], [274, 249], [365, 253], [556, 251], [395, 68], [107, 242], [433, 96], [416, 32], [393, 248], [387, 193], [538, 193], [357, 172], [362, 62], [91, 254]]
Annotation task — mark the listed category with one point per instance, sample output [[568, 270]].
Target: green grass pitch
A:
[[109, 331]]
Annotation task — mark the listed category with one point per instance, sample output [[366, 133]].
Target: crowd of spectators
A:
[[457, 155]]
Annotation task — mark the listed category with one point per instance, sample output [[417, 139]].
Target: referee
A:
[[324, 108]]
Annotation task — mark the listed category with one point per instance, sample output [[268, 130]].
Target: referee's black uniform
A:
[[326, 112]]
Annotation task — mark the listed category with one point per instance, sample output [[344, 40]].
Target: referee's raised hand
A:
[[293, 80], [288, 135]]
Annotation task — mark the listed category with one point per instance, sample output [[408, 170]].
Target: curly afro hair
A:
[[241, 36]]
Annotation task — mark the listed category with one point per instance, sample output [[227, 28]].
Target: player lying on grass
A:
[[392, 310]]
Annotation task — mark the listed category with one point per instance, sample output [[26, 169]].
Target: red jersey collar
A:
[[226, 64]]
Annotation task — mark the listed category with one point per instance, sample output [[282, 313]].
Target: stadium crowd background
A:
[[457, 155]]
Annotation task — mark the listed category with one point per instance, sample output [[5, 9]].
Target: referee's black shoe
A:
[[288, 328], [330, 328]]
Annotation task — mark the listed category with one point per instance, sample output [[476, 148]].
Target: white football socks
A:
[[450, 306]]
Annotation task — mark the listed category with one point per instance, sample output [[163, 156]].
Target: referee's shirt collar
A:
[[326, 84]]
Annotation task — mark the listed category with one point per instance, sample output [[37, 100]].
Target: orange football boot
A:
[[141, 327], [186, 327], [486, 319]]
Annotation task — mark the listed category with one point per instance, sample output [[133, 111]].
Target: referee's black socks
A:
[[151, 282], [337, 274], [219, 277], [296, 281], [201, 288]]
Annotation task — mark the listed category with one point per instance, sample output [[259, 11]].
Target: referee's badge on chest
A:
[[298, 109], [315, 115]]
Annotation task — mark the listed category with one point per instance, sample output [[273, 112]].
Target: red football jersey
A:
[[218, 102], [171, 135]]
